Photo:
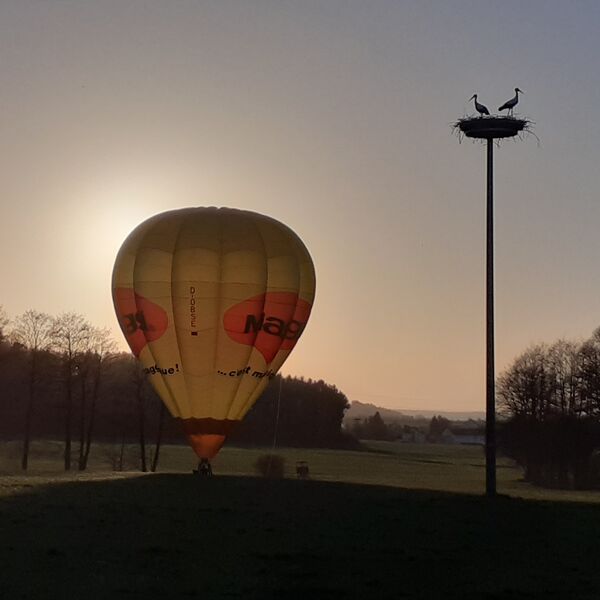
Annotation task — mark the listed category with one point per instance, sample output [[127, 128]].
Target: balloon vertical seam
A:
[[251, 351], [135, 300], [183, 372], [219, 305]]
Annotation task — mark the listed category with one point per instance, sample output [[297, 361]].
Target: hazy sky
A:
[[333, 117]]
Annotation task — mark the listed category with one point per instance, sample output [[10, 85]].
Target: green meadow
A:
[[397, 521]]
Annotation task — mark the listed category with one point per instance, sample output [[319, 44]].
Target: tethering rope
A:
[[275, 431]]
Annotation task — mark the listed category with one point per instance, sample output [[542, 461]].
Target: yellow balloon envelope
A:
[[212, 301]]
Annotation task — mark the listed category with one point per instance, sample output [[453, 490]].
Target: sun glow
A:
[[98, 221]]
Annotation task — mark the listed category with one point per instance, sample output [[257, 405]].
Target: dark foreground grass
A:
[[177, 536]]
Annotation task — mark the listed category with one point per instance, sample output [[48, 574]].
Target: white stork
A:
[[480, 108], [510, 104]]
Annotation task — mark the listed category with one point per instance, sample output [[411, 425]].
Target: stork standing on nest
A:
[[510, 104], [480, 108]]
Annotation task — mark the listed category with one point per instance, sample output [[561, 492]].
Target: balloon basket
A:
[[204, 469]]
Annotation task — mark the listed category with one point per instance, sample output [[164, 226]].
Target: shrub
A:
[[270, 465]]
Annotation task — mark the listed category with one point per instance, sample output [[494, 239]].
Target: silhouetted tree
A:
[[159, 431], [589, 375], [310, 414], [139, 383], [551, 396], [437, 426], [4, 321], [31, 330], [70, 338], [375, 428], [91, 391], [562, 358], [523, 387], [101, 350]]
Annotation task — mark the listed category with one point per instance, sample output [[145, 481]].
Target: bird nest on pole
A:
[[491, 128]]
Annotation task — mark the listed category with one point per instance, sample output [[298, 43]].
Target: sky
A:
[[333, 117]]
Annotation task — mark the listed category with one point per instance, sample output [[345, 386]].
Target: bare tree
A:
[[562, 360], [4, 321], [139, 384], [5, 346], [589, 374], [159, 432], [70, 338], [523, 388], [32, 330], [83, 366], [103, 348], [552, 396], [141, 402]]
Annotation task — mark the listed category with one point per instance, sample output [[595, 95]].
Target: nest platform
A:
[[490, 128]]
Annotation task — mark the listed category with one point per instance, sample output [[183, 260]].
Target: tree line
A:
[[61, 377], [550, 397]]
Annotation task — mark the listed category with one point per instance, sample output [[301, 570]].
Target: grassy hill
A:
[[448, 468], [172, 535], [126, 535]]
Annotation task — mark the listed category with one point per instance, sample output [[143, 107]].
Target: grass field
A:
[[399, 522], [449, 468]]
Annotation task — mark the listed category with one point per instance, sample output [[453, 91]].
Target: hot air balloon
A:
[[212, 301]]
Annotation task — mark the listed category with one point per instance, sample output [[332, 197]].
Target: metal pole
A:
[[490, 399]]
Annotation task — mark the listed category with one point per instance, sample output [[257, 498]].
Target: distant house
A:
[[468, 436]]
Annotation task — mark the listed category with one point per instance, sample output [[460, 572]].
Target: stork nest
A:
[[492, 127]]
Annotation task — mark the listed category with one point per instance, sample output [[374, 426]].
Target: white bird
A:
[[480, 108], [510, 104]]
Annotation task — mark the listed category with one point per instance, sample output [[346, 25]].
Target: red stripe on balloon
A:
[[269, 322], [141, 320]]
